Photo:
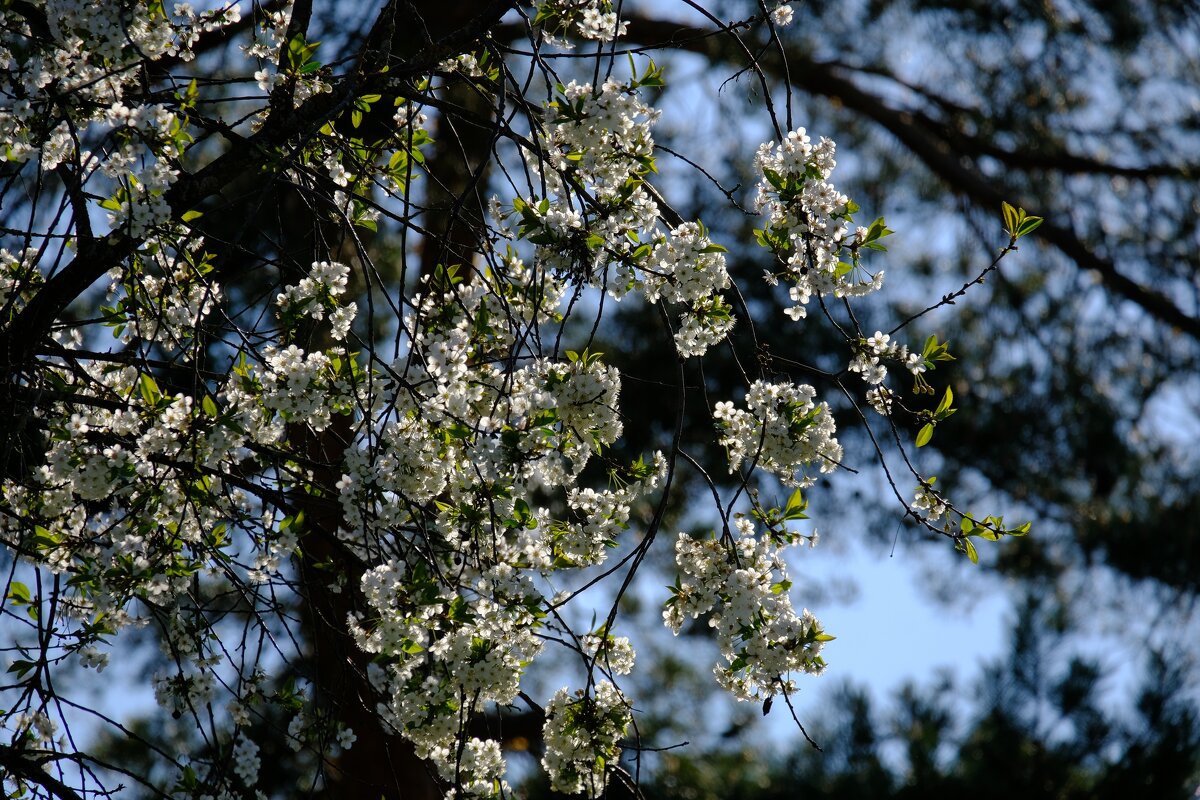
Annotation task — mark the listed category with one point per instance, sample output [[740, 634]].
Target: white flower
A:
[[238, 713], [341, 319], [782, 431], [91, 658], [338, 173], [928, 503], [782, 16], [880, 399], [296, 732], [742, 588], [915, 363], [581, 732], [345, 738], [246, 761], [807, 218]]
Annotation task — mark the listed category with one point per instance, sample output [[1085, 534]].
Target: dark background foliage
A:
[[1077, 373]]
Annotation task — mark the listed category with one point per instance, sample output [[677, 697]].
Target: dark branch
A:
[[19, 763], [946, 153]]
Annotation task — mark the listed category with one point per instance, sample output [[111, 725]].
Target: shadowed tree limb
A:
[[17, 763], [946, 152], [28, 329]]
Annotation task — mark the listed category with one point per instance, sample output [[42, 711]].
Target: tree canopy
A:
[[363, 362]]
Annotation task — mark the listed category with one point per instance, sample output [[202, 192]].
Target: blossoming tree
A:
[[312, 395]]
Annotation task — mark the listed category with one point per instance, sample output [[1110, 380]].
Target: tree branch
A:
[[19, 764], [940, 149], [21, 337]]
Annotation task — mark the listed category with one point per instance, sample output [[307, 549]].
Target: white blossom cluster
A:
[[129, 501], [141, 202], [599, 140], [687, 268], [807, 221], [246, 762], [318, 294], [614, 653], [107, 459], [269, 42], [881, 400], [19, 278], [70, 87], [296, 384], [483, 439], [869, 357], [742, 587], [782, 430], [597, 218], [456, 466], [308, 731], [36, 727], [594, 20], [927, 503], [166, 296], [582, 735], [466, 64], [183, 692], [441, 647]]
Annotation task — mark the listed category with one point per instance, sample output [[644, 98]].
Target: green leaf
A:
[[22, 668], [43, 539], [459, 610], [653, 76], [878, 230], [1011, 218], [971, 552], [947, 399], [300, 52], [188, 216], [19, 593], [208, 406], [149, 389], [796, 506], [1030, 225], [925, 434]]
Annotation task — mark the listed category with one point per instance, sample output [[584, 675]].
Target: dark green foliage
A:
[[1038, 724]]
